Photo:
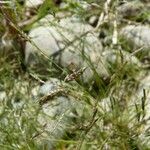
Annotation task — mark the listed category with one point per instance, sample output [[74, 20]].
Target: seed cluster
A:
[[51, 95], [74, 75]]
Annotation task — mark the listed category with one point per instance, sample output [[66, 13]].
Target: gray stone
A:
[[144, 85], [57, 114], [60, 103], [72, 40], [139, 35], [113, 56], [130, 9], [137, 99]]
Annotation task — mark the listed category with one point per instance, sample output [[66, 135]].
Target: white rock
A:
[[144, 85], [33, 3], [137, 99], [57, 113], [49, 86], [61, 103], [113, 56], [51, 38], [76, 39], [2, 95], [42, 37], [139, 35]]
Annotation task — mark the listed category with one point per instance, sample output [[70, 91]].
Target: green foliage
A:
[[108, 119], [48, 7]]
